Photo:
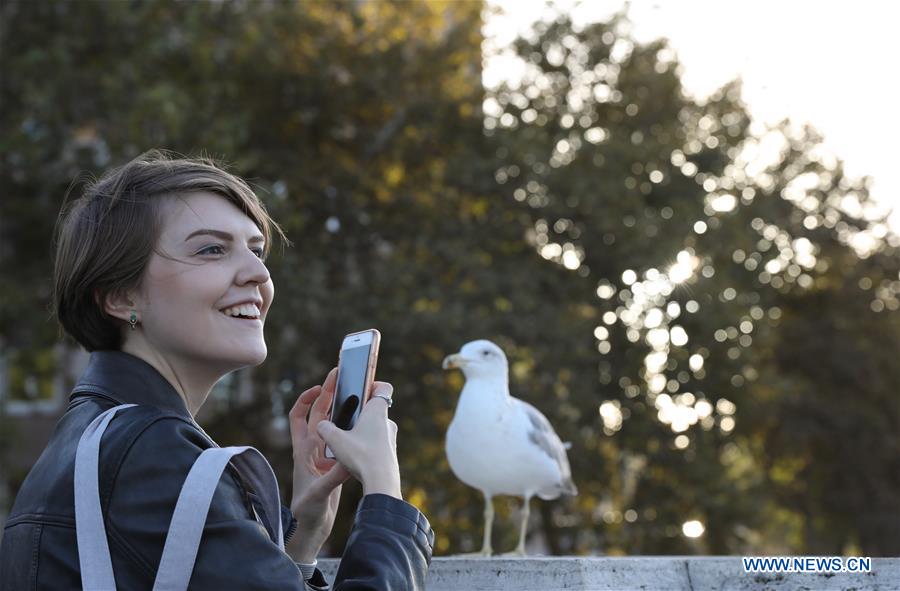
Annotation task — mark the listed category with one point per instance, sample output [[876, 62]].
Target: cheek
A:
[[183, 293]]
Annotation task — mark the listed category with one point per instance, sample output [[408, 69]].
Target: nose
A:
[[252, 269]]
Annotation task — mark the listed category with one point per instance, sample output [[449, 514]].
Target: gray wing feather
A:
[[543, 435]]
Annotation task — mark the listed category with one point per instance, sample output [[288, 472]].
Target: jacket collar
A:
[[126, 379]]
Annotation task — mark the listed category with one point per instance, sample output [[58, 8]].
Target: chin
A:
[[257, 356], [250, 357]]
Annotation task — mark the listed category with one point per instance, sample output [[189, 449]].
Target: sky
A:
[[829, 63]]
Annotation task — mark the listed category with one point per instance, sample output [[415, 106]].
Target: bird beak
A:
[[453, 361]]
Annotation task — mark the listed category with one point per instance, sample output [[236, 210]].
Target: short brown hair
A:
[[106, 236]]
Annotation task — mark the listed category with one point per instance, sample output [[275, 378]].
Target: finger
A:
[[304, 401], [297, 416], [330, 433], [382, 389], [323, 405], [331, 380], [332, 479], [321, 463], [379, 406]]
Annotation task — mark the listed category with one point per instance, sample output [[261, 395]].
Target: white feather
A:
[[500, 444]]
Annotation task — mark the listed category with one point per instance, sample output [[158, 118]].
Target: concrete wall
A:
[[650, 573]]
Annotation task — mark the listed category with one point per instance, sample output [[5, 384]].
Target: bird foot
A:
[[514, 554]]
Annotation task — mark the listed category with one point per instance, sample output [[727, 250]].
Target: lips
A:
[[254, 323], [242, 310]]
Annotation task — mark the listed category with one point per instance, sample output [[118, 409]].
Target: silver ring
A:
[[388, 399]]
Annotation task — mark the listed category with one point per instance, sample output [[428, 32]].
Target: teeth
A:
[[242, 310]]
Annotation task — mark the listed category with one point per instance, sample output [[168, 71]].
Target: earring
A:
[[133, 320]]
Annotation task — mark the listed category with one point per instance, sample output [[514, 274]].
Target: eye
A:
[[486, 353], [219, 249], [209, 249]]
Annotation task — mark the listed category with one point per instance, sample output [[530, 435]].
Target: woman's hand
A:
[[369, 450], [317, 479]]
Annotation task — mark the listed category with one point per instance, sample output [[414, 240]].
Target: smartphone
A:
[[356, 372]]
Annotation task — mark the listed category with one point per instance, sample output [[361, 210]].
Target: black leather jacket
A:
[[145, 456]]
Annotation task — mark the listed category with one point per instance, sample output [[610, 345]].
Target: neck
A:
[[497, 385], [483, 397], [188, 379]]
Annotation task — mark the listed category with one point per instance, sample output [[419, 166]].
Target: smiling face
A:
[[207, 260]]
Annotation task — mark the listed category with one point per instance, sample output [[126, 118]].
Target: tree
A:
[[591, 220], [708, 263], [360, 126]]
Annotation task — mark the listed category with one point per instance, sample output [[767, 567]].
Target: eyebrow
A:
[[220, 234]]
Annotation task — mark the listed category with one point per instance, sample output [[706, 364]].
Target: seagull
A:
[[499, 444]]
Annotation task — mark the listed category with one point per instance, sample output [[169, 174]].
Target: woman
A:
[[160, 273]]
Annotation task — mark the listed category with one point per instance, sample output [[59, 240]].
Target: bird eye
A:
[[486, 353]]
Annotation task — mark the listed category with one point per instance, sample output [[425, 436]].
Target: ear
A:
[[118, 305]]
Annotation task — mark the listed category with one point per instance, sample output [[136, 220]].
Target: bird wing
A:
[[542, 434]]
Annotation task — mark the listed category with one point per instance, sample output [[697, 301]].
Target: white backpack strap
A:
[[93, 548], [186, 528]]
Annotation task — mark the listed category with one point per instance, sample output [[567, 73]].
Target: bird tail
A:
[[567, 444], [566, 487]]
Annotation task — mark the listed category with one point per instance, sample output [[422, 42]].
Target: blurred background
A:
[[703, 300]]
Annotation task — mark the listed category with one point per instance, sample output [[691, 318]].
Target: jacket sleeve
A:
[[389, 548], [235, 551]]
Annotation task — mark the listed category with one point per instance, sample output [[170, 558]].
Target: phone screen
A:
[[351, 382]]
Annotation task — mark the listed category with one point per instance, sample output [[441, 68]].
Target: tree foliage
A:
[[707, 310], [749, 298]]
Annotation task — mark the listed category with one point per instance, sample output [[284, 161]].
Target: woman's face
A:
[[217, 265]]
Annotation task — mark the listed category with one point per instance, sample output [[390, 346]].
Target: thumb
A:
[[332, 479], [329, 432]]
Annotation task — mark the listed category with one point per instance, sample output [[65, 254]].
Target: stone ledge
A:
[[645, 573]]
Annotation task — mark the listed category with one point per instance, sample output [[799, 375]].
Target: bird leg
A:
[[526, 510], [523, 527], [488, 524]]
